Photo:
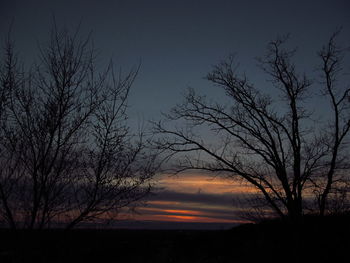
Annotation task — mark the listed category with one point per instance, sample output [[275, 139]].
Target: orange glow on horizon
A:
[[184, 205], [193, 219], [179, 215], [185, 218], [172, 211], [187, 212]]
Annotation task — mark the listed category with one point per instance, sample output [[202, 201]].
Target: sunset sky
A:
[[177, 42], [194, 197]]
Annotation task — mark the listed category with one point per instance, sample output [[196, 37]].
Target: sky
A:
[[177, 42]]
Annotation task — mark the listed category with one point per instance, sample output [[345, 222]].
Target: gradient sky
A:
[[177, 42]]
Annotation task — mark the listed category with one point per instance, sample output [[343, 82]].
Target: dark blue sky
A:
[[178, 41]]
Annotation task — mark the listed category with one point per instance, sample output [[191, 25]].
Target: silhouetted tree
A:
[[270, 141], [67, 154]]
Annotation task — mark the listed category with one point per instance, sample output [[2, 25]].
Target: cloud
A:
[[216, 199], [197, 198], [175, 206]]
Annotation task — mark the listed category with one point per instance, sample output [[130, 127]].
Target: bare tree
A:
[[268, 140], [67, 154], [332, 58]]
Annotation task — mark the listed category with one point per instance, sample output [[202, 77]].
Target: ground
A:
[[315, 240]]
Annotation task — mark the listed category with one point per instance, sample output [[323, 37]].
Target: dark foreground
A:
[[326, 240]]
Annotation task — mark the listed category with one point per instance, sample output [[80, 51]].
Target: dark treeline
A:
[[318, 240]]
